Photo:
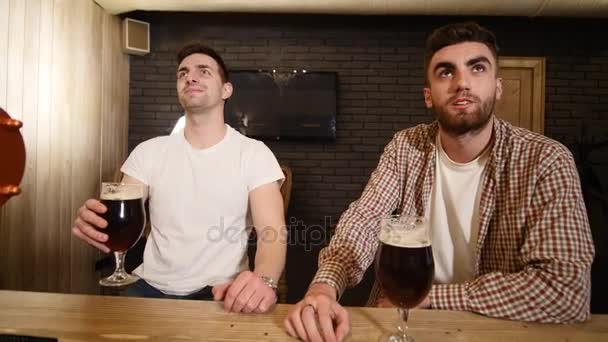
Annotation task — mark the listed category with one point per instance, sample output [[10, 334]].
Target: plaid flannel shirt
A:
[[534, 250]]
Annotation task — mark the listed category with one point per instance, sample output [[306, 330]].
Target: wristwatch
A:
[[270, 283]]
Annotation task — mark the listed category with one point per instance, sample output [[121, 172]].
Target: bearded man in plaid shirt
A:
[[510, 233]]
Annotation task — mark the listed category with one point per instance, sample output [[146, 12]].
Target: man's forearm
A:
[[271, 252], [333, 275], [531, 295]]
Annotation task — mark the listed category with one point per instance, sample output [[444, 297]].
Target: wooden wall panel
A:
[[45, 247], [30, 71], [63, 86], [115, 98], [3, 49], [66, 78], [85, 129], [14, 105]]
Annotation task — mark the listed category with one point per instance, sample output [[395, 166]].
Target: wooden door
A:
[[523, 97]]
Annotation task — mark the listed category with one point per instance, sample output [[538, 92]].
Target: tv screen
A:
[[272, 105]]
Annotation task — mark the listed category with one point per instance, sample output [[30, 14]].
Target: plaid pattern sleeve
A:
[[352, 249], [553, 281]]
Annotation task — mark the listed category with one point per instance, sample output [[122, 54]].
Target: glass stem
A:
[[119, 258], [403, 315]]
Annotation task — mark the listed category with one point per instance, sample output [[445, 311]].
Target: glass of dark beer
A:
[[126, 220], [404, 266]]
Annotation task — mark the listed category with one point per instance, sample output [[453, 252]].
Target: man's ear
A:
[[498, 88], [226, 90], [428, 100]]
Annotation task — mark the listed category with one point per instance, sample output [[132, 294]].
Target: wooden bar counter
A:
[[104, 318]]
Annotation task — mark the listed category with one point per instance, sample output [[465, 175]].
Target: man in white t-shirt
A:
[[203, 184]]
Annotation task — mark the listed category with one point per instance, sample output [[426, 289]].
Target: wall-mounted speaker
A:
[[135, 36]]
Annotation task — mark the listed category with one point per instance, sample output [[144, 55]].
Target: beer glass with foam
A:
[[404, 266], [126, 221]]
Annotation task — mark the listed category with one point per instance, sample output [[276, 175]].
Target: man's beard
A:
[[465, 122]]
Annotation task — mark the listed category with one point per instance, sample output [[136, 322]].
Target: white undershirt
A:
[[454, 216]]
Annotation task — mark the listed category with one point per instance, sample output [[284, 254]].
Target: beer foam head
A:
[[119, 191], [405, 232]]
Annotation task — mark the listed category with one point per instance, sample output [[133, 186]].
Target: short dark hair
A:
[[198, 47], [458, 33]]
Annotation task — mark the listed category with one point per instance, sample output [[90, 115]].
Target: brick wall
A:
[[379, 66]]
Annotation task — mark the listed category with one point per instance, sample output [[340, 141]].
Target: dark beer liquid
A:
[[125, 223], [405, 274]]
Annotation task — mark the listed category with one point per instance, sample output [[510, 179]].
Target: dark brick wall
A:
[[379, 65]]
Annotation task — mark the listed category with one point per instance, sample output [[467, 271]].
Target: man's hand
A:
[[318, 317], [383, 302], [426, 303], [86, 223], [247, 293]]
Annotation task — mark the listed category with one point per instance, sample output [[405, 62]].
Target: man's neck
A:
[[466, 147], [204, 130]]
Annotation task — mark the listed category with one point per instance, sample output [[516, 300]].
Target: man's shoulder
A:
[[245, 143], [417, 136], [523, 138], [524, 146], [154, 144]]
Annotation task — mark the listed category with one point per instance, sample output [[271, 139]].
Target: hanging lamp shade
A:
[[12, 157]]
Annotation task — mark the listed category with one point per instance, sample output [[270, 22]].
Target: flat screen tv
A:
[[273, 105]]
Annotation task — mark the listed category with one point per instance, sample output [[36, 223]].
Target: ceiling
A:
[[525, 8]]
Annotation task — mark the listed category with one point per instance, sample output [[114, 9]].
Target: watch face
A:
[[269, 281]]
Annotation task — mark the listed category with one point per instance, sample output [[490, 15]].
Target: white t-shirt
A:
[[454, 216], [198, 207], [179, 125]]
